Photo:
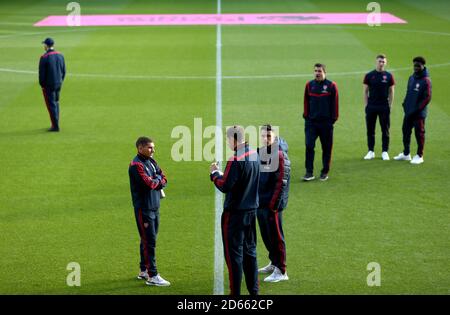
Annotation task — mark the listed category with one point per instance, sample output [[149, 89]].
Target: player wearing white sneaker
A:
[[146, 182], [417, 159], [273, 193], [143, 275], [267, 269], [402, 157], [157, 281], [415, 105], [385, 156], [378, 99], [370, 155], [277, 276]]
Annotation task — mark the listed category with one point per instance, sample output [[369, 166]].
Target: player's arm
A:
[[334, 102], [306, 102], [365, 94], [162, 177], [391, 95], [138, 172], [225, 182], [365, 91], [279, 175], [425, 100], [42, 71], [391, 92], [63, 68]]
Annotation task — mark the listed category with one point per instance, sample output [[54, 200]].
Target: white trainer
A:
[[277, 276], [157, 281], [385, 156], [143, 275], [417, 159], [370, 155], [402, 157], [267, 269]]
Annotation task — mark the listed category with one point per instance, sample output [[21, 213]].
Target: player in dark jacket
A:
[[415, 106], [273, 197], [146, 183], [378, 98], [240, 184], [320, 111], [52, 71]]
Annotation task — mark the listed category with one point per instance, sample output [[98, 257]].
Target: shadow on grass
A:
[[26, 133]]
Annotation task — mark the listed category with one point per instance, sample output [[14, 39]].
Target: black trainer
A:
[[53, 129], [323, 177], [308, 177]]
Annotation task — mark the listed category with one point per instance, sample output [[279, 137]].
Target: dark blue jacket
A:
[[240, 180], [274, 184], [146, 181], [418, 95], [321, 101], [52, 70]]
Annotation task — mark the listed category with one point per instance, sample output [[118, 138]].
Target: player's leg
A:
[[233, 238], [419, 128], [311, 135], [385, 124], [57, 93], [49, 97], [326, 139], [264, 227], [406, 131], [151, 230], [279, 249], [250, 264], [144, 264], [371, 120], [419, 131]]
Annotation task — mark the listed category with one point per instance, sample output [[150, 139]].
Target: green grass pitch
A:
[[65, 197]]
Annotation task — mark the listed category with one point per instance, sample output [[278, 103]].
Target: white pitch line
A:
[[218, 247], [223, 77]]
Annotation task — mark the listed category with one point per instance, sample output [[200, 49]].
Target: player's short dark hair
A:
[[141, 141], [321, 65], [267, 127], [381, 56], [237, 133], [420, 60]]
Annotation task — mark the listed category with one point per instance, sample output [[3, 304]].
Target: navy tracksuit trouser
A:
[[239, 244], [323, 131], [271, 227], [418, 123], [51, 97], [148, 224], [383, 113]]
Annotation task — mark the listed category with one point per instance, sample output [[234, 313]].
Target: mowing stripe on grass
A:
[[218, 249], [223, 77]]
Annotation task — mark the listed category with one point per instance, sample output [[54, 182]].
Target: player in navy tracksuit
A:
[[146, 183], [415, 104], [378, 98], [239, 182], [52, 71], [273, 197], [320, 111]]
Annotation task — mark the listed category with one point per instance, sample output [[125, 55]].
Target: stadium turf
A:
[[65, 197]]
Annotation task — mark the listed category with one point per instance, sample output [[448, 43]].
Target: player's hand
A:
[[213, 167]]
